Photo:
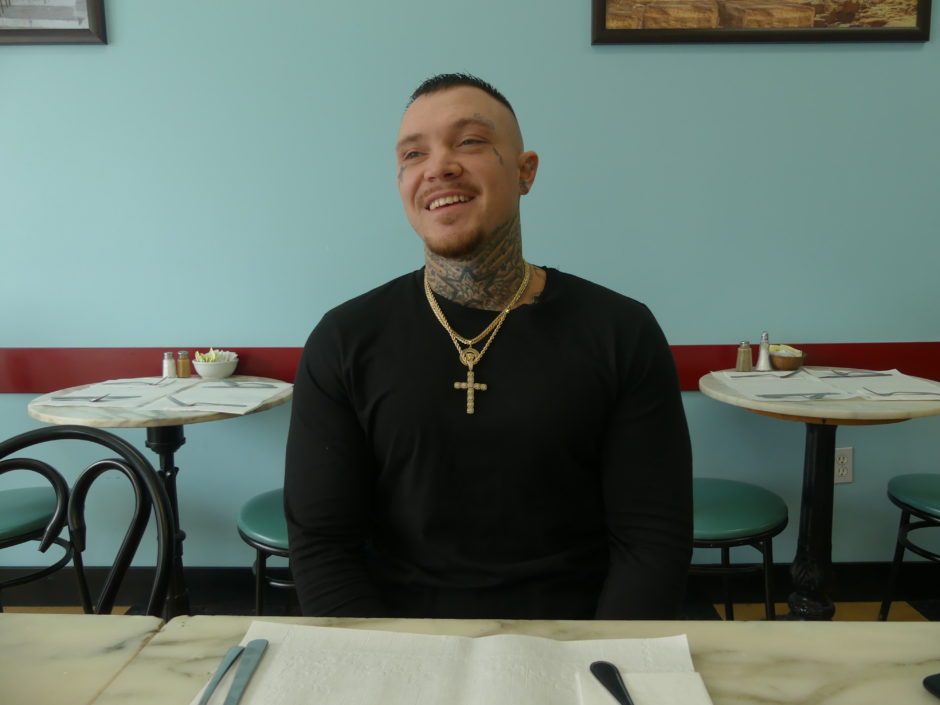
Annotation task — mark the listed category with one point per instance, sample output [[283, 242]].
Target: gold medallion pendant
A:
[[470, 356]]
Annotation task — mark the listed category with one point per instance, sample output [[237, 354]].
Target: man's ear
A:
[[528, 166]]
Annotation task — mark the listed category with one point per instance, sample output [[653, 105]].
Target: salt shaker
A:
[[745, 358], [169, 365], [763, 354]]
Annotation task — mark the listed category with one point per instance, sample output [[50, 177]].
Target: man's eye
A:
[[471, 141], [410, 155]]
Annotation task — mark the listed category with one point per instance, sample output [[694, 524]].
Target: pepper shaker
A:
[[183, 368], [763, 355], [745, 361]]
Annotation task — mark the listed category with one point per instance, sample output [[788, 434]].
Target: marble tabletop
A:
[[117, 417], [55, 659], [742, 663], [838, 411]]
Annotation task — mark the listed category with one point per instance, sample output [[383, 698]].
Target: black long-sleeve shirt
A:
[[569, 488]]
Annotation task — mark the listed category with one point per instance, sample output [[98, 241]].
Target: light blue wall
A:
[[222, 173]]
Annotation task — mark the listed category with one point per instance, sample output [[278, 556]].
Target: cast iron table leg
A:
[[811, 570], [165, 441]]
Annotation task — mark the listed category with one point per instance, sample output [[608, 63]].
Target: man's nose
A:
[[443, 165]]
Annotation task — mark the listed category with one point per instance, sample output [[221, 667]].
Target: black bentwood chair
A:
[[69, 508]]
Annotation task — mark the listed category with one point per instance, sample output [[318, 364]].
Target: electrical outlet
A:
[[843, 471]]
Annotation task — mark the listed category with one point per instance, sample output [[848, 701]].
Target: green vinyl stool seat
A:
[[262, 525], [26, 510], [729, 513], [917, 495]]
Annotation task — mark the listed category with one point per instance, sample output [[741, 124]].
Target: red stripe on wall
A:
[[41, 370]]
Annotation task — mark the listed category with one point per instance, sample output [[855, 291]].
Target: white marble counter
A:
[[838, 411], [123, 417], [55, 659], [742, 663]]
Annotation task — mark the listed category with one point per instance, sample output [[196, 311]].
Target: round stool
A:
[[917, 495], [261, 524], [729, 513]]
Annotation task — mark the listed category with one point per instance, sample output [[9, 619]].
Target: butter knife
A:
[[100, 397], [609, 676], [230, 656], [251, 657], [808, 395]]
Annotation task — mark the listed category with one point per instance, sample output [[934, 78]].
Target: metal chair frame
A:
[[149, 495], [763, 542], [905, 527], [262, 576], [46, 536]]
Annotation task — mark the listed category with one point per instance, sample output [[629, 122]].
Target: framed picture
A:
[[45, 22], [676, 21]]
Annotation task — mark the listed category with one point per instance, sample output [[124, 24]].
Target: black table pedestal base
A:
[[165, 441], [811, 570]]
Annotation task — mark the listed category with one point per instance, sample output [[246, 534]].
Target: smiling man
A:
[[484, 438]]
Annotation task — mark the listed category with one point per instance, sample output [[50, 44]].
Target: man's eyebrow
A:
[[477, 119], [407, 139]]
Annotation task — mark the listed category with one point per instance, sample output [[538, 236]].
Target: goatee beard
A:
[[457, 248]]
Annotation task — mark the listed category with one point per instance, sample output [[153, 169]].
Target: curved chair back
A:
[[34, 514], [149, 494]]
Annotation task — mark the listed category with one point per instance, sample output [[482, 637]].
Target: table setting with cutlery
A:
[[292, 664], [829, 384], [230, 395]]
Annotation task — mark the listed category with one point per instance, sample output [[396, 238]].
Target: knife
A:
[[100, 397], [251, 657], [230, 656], [808, 395]]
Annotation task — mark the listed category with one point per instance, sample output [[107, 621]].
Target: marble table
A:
[[164, 437], [742, 663], [811, 570], [55, 659]]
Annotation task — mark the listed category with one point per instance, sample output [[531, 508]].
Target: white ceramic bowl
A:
[[215, 370]]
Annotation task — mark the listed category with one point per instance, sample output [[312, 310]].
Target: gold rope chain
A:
[[470, 356]]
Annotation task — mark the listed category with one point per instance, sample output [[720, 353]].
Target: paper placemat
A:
[[307, 665], [782, 386], [231, 397]]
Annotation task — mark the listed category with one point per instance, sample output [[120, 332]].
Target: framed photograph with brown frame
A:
[[679, 21], [60, 22]]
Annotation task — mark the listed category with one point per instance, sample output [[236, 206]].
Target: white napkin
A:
[[781, 386], [892, 387], [646, 688], [310, 665], [219, 395]]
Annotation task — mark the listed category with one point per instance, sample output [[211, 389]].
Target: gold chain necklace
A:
[[469, 355]]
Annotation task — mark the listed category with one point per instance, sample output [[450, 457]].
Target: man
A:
[[483, 438]]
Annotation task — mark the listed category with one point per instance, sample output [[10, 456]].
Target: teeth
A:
[[446, 201]]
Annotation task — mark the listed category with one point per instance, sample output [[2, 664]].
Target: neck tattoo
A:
[[469, 355]]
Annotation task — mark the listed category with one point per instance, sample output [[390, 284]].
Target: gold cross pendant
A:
[[472, 387]]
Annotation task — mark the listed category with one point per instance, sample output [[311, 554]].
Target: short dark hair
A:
[[451, 80]]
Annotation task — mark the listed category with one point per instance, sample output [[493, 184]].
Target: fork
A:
[[769, 374], [890, 394], [853, 375], [198, 403]]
